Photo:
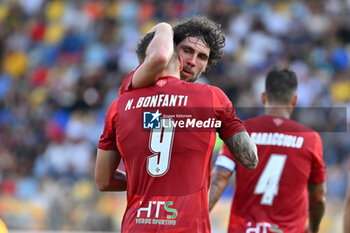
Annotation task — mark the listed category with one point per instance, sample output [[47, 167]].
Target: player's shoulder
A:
[[112, 109], [300, 127], [302, 130], [114, 104], [311, 137], [259, 120], [254, 119], [277, 122], [126, 83], [200, 87], [213, 89]]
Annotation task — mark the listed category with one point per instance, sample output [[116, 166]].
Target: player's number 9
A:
[[270, 178], [160, 144]]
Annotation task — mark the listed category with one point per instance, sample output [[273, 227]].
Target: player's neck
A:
[[278, 111], [170, 73]]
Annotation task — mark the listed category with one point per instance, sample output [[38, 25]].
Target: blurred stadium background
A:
[[61, 66]]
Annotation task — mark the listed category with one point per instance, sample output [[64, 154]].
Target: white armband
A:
[[225, 162]]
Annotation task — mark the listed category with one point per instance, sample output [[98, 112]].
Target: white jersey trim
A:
[[225, 162]]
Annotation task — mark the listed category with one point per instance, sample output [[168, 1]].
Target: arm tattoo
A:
[[214, 194], [243, 149], [219, 180]]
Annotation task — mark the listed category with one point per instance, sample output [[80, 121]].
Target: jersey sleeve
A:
[[108, 138], [318, 169], [230, 123]]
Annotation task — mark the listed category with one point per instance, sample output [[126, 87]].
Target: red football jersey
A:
[[126, 84], [274, 196], [165, 135]]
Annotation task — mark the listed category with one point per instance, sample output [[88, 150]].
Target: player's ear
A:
[[294, 100], [263, 98], [180, 63], [205, 68]]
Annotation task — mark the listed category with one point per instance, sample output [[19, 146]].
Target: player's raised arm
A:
[[317, 193], [243, 149], [107, 177], [154, 56]]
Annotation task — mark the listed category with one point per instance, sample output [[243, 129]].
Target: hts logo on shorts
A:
[[151, 120]]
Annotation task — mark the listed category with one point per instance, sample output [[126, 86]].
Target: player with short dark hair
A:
[[287, 187], [281, 86], [143, 44], [167, 165]]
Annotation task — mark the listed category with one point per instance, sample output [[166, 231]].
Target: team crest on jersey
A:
[[277, 121], [151, 120], [161, 82]]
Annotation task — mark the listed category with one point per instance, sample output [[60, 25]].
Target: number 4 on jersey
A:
[[269, 180]]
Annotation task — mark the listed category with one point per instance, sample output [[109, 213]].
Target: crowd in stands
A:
[[62, 62]]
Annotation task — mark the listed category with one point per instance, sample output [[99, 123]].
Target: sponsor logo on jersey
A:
[[157, 213], [262, 227]]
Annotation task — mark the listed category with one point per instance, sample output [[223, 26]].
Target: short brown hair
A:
[[280, 85], [142, 46]]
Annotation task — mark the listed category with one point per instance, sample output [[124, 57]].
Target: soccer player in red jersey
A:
[[199, 43], [167, 158], [287, 187]]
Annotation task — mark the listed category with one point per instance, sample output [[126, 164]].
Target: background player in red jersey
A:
[[160, 160], [290, 174]]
